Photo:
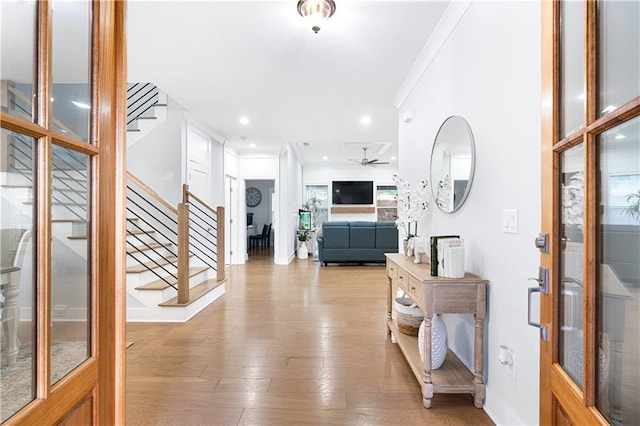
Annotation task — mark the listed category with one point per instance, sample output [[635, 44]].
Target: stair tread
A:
[[133, 130], [148, 247], [139, 231], [146, 118], [77, 237], [161, 284], [69, 220], [17, 186], [195, 293], [144, 266]]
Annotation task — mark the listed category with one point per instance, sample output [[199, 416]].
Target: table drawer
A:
[[415, 290], [392, 270]]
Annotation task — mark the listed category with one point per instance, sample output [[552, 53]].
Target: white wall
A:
[[156, 158], [488, 71]]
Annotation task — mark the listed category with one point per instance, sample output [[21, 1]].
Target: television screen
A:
[[352, 192]]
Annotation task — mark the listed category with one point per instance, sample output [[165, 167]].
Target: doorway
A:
[[259, 200]]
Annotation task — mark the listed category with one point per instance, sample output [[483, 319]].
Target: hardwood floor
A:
[[286, 345]]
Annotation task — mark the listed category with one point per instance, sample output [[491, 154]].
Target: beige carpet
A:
[[16, 381]]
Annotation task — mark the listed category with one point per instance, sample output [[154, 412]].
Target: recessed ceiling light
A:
[[81, 105], [393, 158], [608, 109], [324, 157], [365, 120], [252, 145], [620, 136], [244, 120]]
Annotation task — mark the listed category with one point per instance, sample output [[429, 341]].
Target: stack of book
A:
[[447, 256]]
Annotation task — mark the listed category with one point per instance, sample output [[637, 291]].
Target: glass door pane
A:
[[572, 81], [17, 285], [71, 98], [618, 384], [571, 261], [70, 260], [619, 45], [17, 57]]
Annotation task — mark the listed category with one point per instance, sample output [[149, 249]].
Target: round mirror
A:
[[453, 160]]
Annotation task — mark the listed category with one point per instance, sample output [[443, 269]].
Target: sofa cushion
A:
[[362, 235], [386, 235], [335, 235]]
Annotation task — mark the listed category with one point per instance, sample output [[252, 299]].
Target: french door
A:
[[591, 212], [62, 97]]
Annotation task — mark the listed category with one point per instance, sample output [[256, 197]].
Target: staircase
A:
[[172, 253], [175, 264], [146, 109]]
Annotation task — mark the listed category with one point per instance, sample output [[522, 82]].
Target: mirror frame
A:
[[472, 147]]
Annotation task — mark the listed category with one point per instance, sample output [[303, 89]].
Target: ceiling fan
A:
[[366, 162]]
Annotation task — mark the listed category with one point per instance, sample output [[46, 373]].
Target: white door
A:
[[199, 165], [229, 230]]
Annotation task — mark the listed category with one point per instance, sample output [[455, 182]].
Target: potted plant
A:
[[303, 237], [313, 205], [633, 209]]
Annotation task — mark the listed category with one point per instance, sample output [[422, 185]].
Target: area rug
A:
[[16, 380]]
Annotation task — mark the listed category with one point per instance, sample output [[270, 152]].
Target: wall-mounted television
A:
[[352, 192]]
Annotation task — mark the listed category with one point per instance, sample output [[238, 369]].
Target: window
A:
[[387, 202]]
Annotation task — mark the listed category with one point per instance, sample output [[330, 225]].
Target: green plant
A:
[[313, 205], [633, 209], [303, 236]]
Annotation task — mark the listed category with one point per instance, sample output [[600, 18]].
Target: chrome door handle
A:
[[543, 288]]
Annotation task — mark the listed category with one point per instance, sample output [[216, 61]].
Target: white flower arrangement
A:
[[412, 205]]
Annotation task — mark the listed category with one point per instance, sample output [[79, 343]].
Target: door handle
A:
[[542, 288]]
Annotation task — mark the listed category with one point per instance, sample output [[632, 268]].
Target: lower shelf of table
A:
[[452, 377]]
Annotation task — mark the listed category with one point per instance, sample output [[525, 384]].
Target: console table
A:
[[438, 295]]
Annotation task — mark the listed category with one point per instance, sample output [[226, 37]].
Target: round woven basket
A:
[[408, 315]]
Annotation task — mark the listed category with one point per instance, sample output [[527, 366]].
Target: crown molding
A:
[[450, 19]]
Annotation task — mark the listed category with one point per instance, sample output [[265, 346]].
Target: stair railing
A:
[[206, 225], [194, 228], [73, 198], [141, 97], [148, 211]]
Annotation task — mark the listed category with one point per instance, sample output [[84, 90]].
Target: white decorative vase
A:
[[438, 342], [303, 253]]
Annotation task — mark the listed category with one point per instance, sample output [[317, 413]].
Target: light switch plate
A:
[[510, 221]]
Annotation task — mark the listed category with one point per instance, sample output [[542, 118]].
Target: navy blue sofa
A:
[[357, 241]]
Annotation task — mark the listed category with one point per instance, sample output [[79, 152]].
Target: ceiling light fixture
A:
[[81, 105], [244, 121], [316, 11], [365, 120]]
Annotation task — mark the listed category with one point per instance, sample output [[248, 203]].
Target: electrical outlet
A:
[[511, 368], [507, 358]]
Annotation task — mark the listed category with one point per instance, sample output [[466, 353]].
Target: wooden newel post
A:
[[183, 253], [220, 242], [185, 193]]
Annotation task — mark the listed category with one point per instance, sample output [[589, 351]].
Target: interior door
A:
[[199, 165], [62, 125], [591, 213]]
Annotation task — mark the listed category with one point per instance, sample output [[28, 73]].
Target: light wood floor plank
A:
[[286, 345]]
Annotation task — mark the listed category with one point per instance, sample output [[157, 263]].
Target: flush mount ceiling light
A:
[[316, 11]]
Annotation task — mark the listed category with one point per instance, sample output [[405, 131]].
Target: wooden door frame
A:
[[95, 390], [578, 406]]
